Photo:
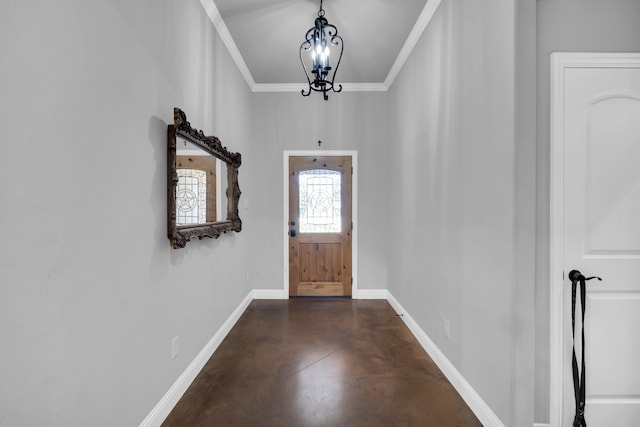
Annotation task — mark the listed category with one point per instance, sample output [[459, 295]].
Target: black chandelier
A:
[[320, 74]]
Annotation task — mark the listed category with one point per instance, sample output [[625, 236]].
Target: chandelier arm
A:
[[335, 71], [331, 29], [306, 47], [309, 36]]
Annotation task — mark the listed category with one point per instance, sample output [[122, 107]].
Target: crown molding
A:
[[297, 87], [364, 87], [423, 20], [215, 17], [279, 87]]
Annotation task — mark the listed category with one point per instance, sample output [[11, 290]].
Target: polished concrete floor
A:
[[320, 363]]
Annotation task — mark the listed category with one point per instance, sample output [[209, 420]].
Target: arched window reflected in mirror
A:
[[191, 198]]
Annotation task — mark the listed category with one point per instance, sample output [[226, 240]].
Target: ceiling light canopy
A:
[[315, 55]]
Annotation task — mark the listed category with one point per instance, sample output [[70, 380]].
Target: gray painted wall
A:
[[91, 293], [348, 121], [567, 26], [453, 115]]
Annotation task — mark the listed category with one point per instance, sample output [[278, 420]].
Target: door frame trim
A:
[[354, 210], [561, 61]]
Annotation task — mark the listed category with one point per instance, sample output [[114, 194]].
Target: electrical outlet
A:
[[447, 328], [175, 347]]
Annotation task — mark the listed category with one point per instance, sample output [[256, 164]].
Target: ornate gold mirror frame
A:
[[181, 131]]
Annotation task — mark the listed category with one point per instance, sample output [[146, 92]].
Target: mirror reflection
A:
[[201, 187], [203, 190]]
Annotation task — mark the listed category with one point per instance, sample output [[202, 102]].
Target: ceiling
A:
[[264, 37]]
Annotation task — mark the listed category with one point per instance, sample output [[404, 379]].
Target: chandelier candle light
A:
[[317, 41]]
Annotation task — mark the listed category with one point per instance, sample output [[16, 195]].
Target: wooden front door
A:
[[600, 222], [320, 226]]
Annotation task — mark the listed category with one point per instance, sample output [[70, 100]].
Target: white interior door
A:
[[598, 129]]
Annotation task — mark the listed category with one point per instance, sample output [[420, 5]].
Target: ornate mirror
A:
[[203, 190]]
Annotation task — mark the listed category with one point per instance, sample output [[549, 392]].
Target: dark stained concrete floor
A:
[[319, 362]]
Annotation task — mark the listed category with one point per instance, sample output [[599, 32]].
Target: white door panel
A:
[[600, 222], [615, 413], [613, 339], [613, 190]]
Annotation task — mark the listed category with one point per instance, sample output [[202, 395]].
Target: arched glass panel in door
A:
[[320, 196]]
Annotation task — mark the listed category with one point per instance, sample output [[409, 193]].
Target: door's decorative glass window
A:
[[191, 197], [320, 195]]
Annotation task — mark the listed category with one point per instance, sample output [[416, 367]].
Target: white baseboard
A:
[[267, 294], [479, 407], [357, 294], [541, 425], [171, 397], [370, 294]]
